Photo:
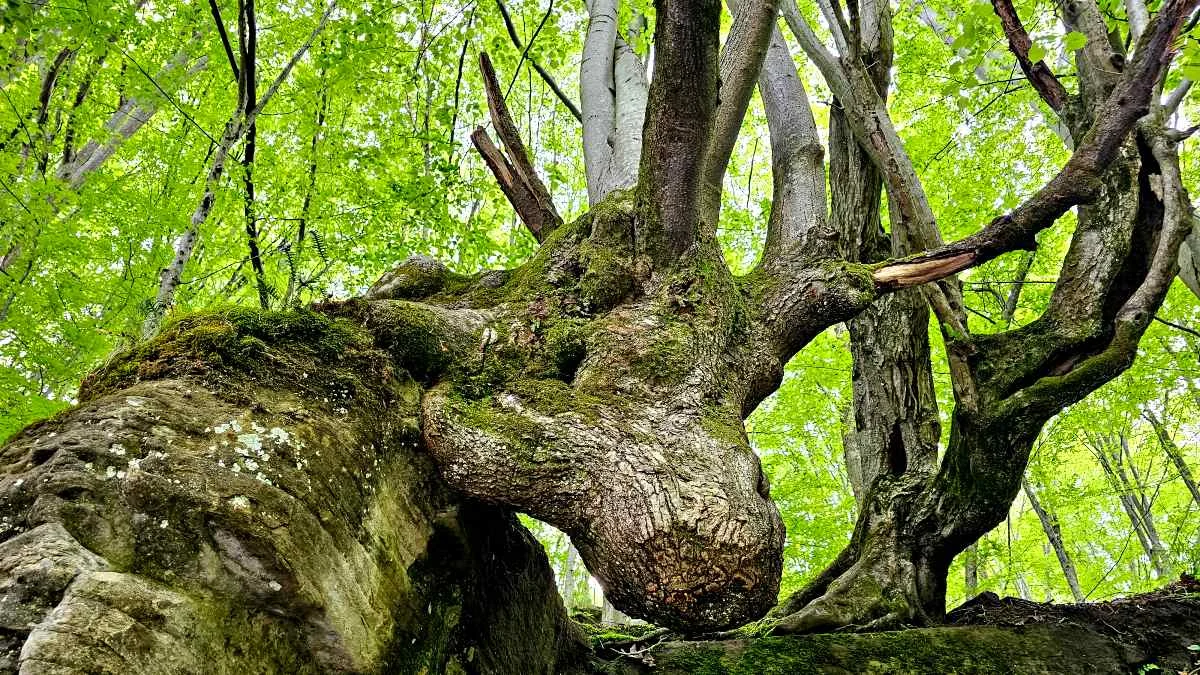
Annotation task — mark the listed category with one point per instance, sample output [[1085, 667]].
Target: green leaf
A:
[[1037, 53], [1074, 40]]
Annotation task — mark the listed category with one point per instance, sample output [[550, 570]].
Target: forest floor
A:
[[1146, 634], [1163, 619]]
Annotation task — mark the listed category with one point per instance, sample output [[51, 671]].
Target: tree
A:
[[601, 386]]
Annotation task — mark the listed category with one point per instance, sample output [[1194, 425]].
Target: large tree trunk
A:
[[248, 493], [263, 474]]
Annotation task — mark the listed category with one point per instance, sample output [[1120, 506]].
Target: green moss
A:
[[415, 335], [669, 357], [236, 348], [723, 425], [608, 276], [600, 634], [564, 348], [981, 650]]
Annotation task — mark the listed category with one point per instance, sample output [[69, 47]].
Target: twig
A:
[[1185, 329], [516, 39]]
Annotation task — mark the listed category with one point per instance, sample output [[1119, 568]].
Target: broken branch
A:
[[515, 173]]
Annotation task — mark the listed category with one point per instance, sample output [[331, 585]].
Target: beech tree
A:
[[255, 479]]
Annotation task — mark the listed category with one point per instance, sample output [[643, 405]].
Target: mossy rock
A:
[[977, 650]]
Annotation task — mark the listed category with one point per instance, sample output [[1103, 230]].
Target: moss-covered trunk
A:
[[248, 493]]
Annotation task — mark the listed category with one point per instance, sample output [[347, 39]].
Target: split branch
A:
[[516, 176]]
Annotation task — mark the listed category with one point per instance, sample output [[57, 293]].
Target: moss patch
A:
[[976, 650], [238, 348]]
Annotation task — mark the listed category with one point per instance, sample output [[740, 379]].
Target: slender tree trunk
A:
[[1112, 453], [569, 581], [971, 570], [1022, 586], [1054, 536], [611, 615], [1176, 454]]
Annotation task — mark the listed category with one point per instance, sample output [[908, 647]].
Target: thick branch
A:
[[596, 89], [1099, 62], [798, 206], [631, 91], [1138, 311], [1138, 15], [741, 61], [679, 124]]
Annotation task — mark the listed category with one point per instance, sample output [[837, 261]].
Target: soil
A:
[[1157, 623]]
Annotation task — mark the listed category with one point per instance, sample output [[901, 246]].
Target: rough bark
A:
[[1007, 385], [248, 493], [895, 425]]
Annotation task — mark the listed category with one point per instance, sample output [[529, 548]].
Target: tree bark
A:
[[248, 493]]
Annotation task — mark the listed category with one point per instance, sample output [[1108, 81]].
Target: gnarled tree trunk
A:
[[248, 479], [248, 492]]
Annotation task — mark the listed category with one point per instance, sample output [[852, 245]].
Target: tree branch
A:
[[680, 116], [631, 91], [517, 178], [1138, 311], [1079, 180], [741, 61], [216, 14], [1138, 15], [1038, 74], [239, 122], [1177, 326], [596, 95], [546, 77], [1171, 104], [798, 220], [287, 68]]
